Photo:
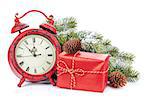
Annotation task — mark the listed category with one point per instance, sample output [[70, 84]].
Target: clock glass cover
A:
[[35, 54]]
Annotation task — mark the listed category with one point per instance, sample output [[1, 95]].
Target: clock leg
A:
[[52, 81], [21, 81]]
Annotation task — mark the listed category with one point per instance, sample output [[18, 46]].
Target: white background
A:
[[125, 22]]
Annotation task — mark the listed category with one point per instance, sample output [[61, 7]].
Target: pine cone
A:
[[117, 79], [72, 46]]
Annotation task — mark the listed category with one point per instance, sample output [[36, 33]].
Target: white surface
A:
[[125, 22]]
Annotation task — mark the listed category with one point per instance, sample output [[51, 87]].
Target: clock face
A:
[[35, 54]]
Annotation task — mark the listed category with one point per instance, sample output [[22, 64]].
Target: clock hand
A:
[[28, 49], [30, 55], [27, 56], [38, 54], [34, 50]]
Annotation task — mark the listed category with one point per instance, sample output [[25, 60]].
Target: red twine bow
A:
[[72, 71]]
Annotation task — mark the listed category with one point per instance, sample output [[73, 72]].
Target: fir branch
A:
[[65, 24], [131, 74], [128, 57], [106, 42], [72, 35], [62, 38], [66, 35], [113, 51], [117, 68], [71, 22], [88, 47], [82, 34], [98, 36]]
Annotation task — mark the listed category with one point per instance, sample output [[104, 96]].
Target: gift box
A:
[[83, 71]]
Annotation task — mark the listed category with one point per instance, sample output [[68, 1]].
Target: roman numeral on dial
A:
[[26, 42], [27, 69], [20, 48], [41, 42], [47, 47], [48, 62], [35, 71], [33, 40], [19, 55], [21, 63], [50, 55], [43, 68]]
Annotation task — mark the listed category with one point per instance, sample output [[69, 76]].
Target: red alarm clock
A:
[[34, 52]]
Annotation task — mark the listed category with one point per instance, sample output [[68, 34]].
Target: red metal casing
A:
[[18, 27], [48, 27]]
